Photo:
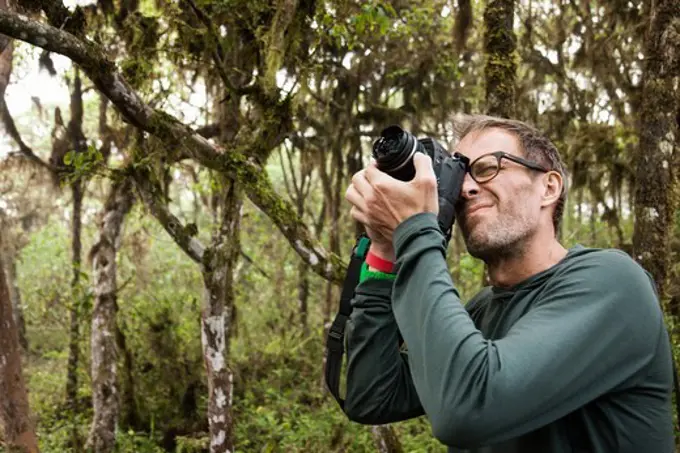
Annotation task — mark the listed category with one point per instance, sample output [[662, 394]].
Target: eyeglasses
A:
[[486, 167]]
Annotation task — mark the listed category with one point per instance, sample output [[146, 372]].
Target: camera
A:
[[393, 153]]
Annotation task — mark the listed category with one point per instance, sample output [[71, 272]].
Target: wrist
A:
[[385, 252], [379, 264]]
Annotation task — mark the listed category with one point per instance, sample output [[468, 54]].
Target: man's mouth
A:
[[476, 207]]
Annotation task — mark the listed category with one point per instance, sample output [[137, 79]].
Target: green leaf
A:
[[68, 158]]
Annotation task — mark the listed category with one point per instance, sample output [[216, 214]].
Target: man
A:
[[567, 350]]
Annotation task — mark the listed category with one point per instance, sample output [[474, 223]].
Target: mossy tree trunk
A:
[[73, 139], [14, 411], [129, 414], [303, 297], [657, 159], [386, 440], [334, 207], [105, 393], [500, 68], [303, 268], [10, 266], [74, 327], [219, 265]]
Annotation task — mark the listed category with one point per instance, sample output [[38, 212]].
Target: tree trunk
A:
[[334, 232], [10, 265], [500, 68], [303, 271], [219, 264], [386, 440], [105, 392], [74, 331], [657, 158], [332, 193], [303, 297], [595, 212], [14, 411], [78, 143], [129, 415]]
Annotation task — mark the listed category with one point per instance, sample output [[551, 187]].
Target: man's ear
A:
[[552, 188]]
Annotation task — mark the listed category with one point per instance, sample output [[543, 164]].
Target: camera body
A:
[[394, 152]]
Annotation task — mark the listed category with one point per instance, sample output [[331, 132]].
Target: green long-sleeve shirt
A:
[[573, 359]]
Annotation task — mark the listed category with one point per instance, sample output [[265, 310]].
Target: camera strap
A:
[[335, 343]]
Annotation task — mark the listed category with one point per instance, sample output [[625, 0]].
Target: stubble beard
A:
[[494, 240]]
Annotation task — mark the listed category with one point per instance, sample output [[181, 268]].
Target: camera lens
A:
[[394, 151]]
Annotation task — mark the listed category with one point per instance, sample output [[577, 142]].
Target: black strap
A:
[[335, 343]]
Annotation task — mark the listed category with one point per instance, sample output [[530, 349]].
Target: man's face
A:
[[496, 217]]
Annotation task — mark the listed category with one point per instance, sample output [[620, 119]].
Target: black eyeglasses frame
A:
[[499, 155]]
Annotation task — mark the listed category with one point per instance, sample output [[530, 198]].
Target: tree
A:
[[105, 393], [66, 139], [658, 156], [14, 411], [499, 46]]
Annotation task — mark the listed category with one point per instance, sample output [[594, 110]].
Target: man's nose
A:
[[470, 187]]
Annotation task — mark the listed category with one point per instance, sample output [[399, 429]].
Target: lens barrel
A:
[[394, 151]]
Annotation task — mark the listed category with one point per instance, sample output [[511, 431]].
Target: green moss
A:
[[137, 71], [501, 59]]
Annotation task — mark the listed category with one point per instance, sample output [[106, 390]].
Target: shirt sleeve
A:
[[591, 329], [379, 385]]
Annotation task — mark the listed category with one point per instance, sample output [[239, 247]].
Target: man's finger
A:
[[358, 215], [378, 178], [361, 184], [355, 198], [372, 174]]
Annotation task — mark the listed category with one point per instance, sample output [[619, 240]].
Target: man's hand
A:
[[381, 202]]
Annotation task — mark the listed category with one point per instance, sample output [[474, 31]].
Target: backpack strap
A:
[[335, 343]]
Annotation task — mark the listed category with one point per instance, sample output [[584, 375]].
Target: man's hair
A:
[[534, 144]]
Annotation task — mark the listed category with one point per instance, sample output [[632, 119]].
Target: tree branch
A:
[[6, 60], [152, 196], [24, 149], [183, 235], [218, 51], [254, 264], [178, 137], [59, 15], [209, 130], [275, 41]]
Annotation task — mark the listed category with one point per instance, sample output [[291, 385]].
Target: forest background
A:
[[173, 230]]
